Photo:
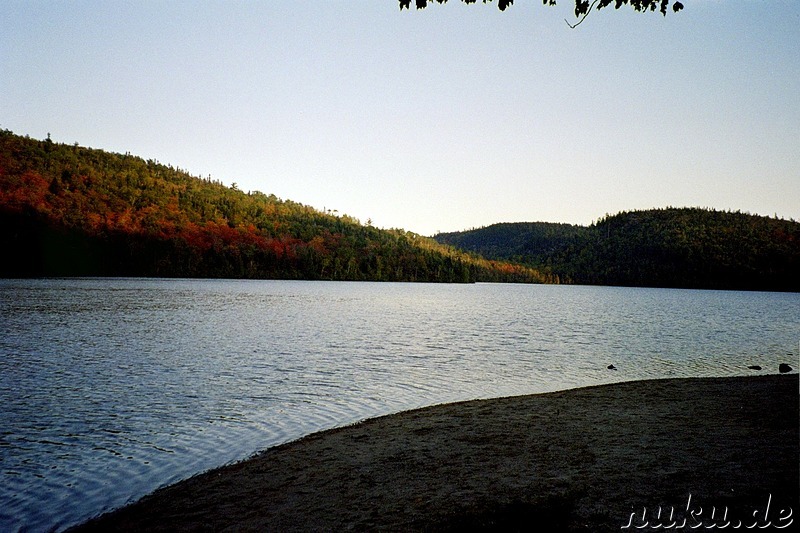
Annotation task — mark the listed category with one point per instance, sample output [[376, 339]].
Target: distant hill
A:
[[69, 210], [530, 242], [673, 247]]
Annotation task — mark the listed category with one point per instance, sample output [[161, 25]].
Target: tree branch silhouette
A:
[[573, 26], [582, 7]]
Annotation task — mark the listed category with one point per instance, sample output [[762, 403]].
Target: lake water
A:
[[111, 388]]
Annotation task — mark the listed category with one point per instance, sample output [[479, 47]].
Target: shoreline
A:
[[588, 459]]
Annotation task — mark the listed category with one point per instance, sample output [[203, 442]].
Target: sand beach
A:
[[664, 454]]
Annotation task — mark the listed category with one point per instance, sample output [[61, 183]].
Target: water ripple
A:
[[113, 388]]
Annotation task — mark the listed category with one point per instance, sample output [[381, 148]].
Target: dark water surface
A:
[[111, 388]]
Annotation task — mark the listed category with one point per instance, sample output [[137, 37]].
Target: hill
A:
[[529, 242], [673, 247], [70, 210]]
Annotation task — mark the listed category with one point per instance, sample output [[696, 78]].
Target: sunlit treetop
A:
[[582, 7]]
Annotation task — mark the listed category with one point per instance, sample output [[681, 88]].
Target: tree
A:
[[68, 211], [582, 7]]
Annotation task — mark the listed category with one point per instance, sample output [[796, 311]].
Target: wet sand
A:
[[591, 459]]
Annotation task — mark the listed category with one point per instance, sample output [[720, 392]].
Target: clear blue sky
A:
[[437, 120]]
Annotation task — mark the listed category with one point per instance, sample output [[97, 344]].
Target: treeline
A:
[[67, 210], [673, 247]]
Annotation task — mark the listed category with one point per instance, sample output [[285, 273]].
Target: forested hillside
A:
[[687, 247], [527, 242], [70, 210]]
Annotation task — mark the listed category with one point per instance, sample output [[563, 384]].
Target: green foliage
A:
[[689, 247], [69, 210], [522, 242]]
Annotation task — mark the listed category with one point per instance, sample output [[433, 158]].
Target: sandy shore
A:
[[592, 459]]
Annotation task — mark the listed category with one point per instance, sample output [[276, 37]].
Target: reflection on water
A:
[[112, 388]]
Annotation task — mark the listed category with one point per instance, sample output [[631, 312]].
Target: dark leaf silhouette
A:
[[582, 7]]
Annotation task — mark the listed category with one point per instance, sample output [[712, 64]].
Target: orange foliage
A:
[[28, 190]]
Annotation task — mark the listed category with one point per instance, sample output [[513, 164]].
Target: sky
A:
[[444, 119]]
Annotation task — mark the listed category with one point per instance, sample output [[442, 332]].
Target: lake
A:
[[112, 388]]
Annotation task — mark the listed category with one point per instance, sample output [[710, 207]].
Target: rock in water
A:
[[754, 367], [784, 368], [612, 367]]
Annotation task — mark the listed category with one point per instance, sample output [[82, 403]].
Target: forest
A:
[[68, 210], [671, 247]]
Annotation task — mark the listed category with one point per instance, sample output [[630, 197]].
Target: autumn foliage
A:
[[70, 210]]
